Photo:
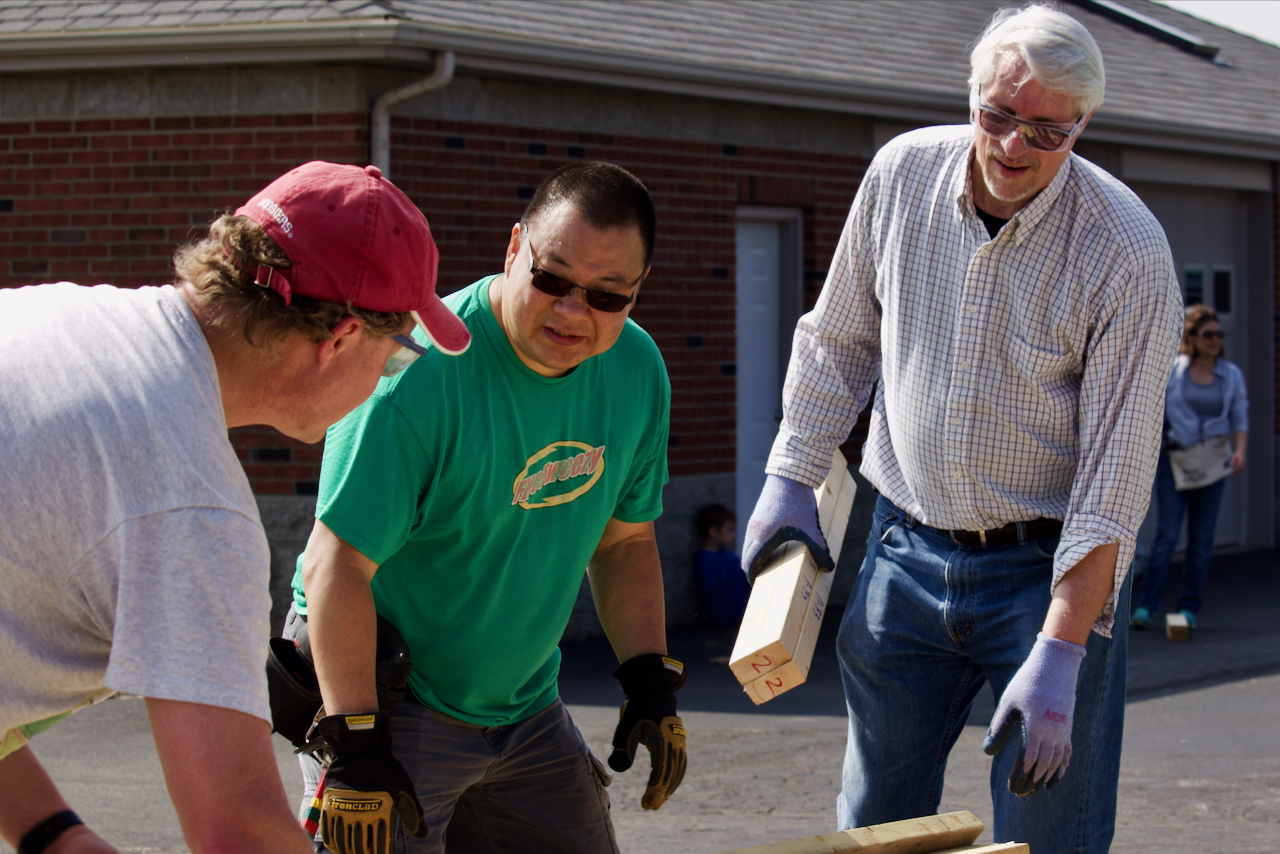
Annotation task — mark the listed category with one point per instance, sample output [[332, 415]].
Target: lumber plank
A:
[[771, 625], [1176, 627], [924, 835], [789, 599]]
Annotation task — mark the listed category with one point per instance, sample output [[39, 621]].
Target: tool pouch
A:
[[292, 690], [392, 669]]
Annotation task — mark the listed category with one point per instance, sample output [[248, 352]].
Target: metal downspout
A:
[[380, 115]]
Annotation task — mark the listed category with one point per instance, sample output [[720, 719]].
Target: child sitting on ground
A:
[[717, 570]]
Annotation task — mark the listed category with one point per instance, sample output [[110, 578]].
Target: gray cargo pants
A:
[[533, 786]]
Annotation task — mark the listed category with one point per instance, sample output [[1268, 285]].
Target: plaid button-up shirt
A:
[[1021, 376]]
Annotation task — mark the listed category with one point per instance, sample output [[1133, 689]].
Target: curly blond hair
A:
[[1197, 316], [221, 269]]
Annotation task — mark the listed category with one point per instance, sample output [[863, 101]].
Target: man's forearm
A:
[[342, 623], [221, 773], [1081, 595], [626, 583], [27, 795]]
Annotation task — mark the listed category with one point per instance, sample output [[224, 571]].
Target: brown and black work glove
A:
[[649, 713], [364, 784]]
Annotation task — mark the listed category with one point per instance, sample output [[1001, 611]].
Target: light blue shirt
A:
[[1185, 427]]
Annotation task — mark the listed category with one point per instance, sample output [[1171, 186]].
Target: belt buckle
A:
[[982, 538]]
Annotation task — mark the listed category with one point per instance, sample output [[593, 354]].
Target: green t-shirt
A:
[[481, 490]]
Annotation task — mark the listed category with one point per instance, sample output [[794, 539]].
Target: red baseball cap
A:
[[353, 238]]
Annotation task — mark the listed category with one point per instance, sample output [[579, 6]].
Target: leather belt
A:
[[1014, 532]]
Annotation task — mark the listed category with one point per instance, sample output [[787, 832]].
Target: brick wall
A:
[[107, 200]]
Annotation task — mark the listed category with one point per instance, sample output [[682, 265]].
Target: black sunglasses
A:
[[1221, 335], [1042, 136], [550, 283]]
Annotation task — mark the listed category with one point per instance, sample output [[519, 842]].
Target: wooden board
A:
[[1176, 627], [789, 599], [949, 831]]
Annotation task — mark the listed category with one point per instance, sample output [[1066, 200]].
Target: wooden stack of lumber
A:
[[789, 598], [950, 833]]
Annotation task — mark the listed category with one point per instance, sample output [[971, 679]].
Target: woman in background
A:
[[1206, 432]]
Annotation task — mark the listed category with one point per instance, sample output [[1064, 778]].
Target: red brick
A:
[[295, 120], [354, 153], [72, 173], [359, 120], [150, 140], [103, 140], [294, 154], [213, 121], [69, 268], [213, 155]]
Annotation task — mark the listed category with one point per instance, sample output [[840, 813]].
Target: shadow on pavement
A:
[[1239, 634], [1238, 638]]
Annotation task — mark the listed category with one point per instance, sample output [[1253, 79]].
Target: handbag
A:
[[1202, 464]]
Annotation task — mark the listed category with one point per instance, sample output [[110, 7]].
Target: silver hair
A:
[[1058, 51]]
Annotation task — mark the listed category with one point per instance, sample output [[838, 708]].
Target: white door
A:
[[759, 380]]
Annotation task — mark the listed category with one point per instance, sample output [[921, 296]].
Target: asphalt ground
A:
[[1200, 770]]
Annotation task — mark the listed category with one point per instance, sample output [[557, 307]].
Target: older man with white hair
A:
[[1019, 309]]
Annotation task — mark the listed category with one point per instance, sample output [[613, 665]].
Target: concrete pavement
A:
[[1200, 771]]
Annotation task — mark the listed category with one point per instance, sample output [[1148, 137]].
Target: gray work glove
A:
[[786, 511], [1039, 705]]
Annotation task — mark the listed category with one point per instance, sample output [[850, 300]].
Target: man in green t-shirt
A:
[[461, 505]]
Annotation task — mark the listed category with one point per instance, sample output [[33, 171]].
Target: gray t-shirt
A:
[[1204, 400], [131, 552]]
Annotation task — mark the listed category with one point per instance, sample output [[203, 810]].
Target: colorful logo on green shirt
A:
[[571, 462]]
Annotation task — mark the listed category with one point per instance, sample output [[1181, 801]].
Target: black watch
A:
[[40, 837]]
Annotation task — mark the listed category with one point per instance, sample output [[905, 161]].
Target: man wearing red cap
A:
[[132, 557], [461, 505]]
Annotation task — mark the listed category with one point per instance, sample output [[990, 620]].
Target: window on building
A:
[[1222, 290], [1192, 285]]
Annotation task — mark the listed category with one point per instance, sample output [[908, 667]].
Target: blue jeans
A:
[[1200, 506], [929, 622]]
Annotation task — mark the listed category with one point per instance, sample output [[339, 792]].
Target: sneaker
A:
[[1191, 618], [1140, 618]]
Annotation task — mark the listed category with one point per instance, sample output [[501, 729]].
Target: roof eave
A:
[[366, 39], [396, 41]]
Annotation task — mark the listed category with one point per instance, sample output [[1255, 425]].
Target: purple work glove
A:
[[1042, 698], [786, 511]]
